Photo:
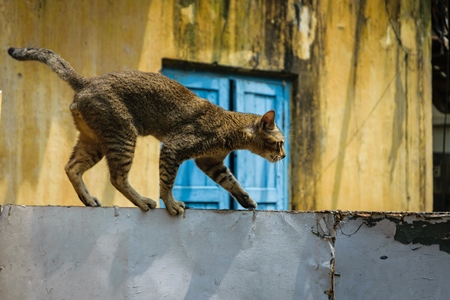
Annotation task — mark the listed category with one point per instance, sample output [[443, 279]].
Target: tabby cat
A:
[[112, 110]]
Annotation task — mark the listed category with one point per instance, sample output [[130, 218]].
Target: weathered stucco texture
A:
[[373, 138], [360, 107]]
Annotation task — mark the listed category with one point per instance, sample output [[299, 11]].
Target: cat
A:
[[112, 110]]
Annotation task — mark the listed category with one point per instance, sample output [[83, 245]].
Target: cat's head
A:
[[268, 140]]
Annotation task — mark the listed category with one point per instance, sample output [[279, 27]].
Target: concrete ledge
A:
[[122, 253]]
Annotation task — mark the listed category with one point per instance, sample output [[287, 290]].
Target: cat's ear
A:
[[268, 120]]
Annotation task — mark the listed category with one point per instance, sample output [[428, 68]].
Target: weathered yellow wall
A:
[[361, 108], [37, 132], [372, 107]]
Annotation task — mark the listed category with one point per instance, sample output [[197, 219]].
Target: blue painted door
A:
[[265, 182]]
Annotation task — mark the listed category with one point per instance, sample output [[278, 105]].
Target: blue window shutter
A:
[[265, 182], [192, 186]]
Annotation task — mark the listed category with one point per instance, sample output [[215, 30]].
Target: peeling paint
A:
[[424, 233], [411, 228], [386, 41], [187, 14], [403, 254], [306, 26]]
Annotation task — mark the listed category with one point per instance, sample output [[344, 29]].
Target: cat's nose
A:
[[283, 156]]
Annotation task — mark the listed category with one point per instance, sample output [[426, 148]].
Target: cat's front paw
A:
[[175, 208], [92, 201], [149, 203], [97, 202], [245, 200]]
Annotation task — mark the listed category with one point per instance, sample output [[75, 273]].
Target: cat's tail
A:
[[54, 61]]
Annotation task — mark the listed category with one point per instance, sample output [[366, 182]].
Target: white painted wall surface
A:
[[122, 253]]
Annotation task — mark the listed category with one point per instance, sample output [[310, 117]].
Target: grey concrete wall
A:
[[122, 253]]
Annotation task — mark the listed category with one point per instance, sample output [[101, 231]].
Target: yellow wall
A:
[[361, 108], [371, 108], [37, 132]]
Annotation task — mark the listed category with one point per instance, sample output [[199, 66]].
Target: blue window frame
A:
[[266, 183]]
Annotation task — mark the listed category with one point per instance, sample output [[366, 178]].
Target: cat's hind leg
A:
[[119, 155], [85, 155], [217, 171]]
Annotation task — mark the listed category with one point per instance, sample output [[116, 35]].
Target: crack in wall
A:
[[323, 231]]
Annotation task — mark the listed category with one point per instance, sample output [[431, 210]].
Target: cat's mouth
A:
[[275, 158]]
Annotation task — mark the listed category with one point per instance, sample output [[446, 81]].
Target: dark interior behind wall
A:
[[440, 96]]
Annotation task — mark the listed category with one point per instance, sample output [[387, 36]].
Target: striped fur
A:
[[112, 110]]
